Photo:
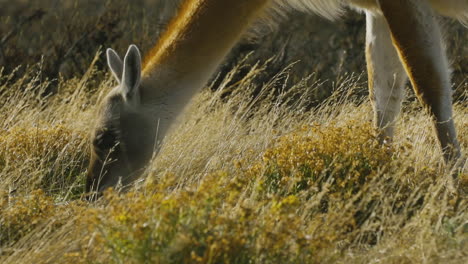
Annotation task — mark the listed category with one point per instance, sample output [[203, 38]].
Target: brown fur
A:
[[414, 48], [202, 30]]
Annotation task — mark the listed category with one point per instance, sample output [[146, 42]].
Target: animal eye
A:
[[105, 140]]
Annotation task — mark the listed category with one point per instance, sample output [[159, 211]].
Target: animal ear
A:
[[115, 64], [131, 74]]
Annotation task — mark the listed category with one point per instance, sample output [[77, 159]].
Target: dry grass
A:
[[252, 178]]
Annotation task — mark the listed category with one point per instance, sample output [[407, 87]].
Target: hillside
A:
[[275, 161]]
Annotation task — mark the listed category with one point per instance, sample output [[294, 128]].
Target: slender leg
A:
[[417, 37], [387, 76]]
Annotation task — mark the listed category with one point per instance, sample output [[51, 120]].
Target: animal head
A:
[[123, 139]]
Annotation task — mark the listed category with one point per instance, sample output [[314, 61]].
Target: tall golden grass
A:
[[255, 177]]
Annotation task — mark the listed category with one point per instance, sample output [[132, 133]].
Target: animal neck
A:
[[194, 44]]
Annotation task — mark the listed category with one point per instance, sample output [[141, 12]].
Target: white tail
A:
[[403, 42]]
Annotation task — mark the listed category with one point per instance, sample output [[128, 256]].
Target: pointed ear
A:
[[115, 64], [131, 74]]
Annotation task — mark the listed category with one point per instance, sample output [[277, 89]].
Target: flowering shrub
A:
[[341, 158]]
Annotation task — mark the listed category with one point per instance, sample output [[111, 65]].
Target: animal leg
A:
[[418, 39], [387, 76]]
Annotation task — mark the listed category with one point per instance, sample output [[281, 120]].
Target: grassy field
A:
[[260, 168]]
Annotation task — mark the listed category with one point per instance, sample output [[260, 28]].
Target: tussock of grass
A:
[[254, 177], [39, 150]]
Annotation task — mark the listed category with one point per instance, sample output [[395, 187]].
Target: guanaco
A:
[[403, 41]]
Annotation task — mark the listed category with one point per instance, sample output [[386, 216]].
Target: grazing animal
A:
[[403, 41]]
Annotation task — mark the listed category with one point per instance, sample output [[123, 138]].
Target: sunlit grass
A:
[[256, 177]]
